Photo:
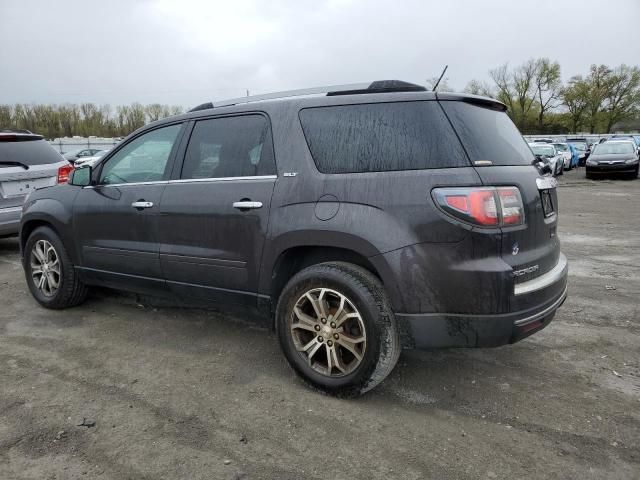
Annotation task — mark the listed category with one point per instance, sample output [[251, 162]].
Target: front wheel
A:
[[337, 329], [49, 271]]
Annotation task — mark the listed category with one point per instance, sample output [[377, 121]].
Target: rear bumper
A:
[[439, 330], [10, 221]]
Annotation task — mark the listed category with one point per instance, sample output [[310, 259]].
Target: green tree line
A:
[[86, 119], [539, 102]]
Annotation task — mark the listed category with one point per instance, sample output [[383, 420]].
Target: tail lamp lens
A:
[[64, 172], [511, 205], [483, 206]]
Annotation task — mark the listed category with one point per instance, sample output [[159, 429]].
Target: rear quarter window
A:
[[29, 152], [381, 137], [488, 134]]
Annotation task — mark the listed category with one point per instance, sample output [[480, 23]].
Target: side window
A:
[[381, 137], [229, 147], [144, 159]]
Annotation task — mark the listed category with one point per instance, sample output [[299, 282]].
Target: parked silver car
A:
[[550, 153], [75, 155], [27, 162]]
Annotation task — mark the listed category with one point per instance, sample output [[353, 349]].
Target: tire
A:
[[70, 290], [372, 318]]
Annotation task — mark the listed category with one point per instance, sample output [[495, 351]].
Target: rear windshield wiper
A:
[[15, 164]]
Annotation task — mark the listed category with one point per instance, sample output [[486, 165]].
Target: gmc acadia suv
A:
[[360, 220]]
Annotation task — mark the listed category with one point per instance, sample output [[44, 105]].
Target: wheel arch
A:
[[294, 258], [29, 224]]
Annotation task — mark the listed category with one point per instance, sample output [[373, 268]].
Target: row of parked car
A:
[[615, 154]]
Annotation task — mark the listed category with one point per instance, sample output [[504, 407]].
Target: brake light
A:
[[511, 205], [482, 206], [64, 172]]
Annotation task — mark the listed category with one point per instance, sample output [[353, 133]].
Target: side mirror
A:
[[81, 177]]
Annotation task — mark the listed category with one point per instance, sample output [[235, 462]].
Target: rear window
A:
[[488, 134], [29, 152], [381, 137]]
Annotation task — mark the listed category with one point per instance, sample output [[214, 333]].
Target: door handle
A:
[[246, 205], [142, 204]]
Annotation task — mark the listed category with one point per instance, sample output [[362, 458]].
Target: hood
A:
[[617, 157]]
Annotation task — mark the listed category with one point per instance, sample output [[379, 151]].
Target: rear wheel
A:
[[336, 328], [49, 272]]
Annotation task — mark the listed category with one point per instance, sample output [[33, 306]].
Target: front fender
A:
[[56, 213]]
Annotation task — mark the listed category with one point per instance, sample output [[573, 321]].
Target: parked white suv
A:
[[27, 162]]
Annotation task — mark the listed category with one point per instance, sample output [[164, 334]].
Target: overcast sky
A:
[[185, 52]]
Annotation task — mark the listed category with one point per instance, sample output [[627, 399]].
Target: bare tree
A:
[[443, 86], [599, 79], [622, 98], [505, 93], [576, 97], [548, 87], [6, 116], [479, 87], [154, 112], [516, 89]]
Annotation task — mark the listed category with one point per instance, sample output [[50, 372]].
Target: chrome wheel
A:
[[328, 331], [45, 268]]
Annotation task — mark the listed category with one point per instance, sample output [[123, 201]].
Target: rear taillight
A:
[[482, 206], [64, 172]]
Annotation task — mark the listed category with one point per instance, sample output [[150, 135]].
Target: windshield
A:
[[614, 148], [563, 147], [543, 150]]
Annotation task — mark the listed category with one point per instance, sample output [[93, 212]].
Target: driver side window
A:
[[144, 159]]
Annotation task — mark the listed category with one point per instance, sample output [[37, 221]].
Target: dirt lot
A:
[[193, 394]]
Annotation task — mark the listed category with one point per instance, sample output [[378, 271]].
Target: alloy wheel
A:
[[328, 331], [45, 268]]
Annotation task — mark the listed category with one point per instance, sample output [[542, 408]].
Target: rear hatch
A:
[[502, 158], [27, 162]]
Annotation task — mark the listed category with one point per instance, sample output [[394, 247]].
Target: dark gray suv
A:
[[361, 221]]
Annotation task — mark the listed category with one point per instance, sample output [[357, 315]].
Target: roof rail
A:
[[289, 93], [379, 86]]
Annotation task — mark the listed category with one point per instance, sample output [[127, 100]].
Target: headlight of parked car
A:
[[591, 162], [631, 160]]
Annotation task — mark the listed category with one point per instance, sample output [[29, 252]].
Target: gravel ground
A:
[[193, 394]]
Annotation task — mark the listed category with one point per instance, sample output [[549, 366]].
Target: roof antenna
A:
[[442, 75]]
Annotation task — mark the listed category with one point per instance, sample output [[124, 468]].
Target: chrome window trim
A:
[[186, 180], [159, 182], [223, 179], [544, 280]]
